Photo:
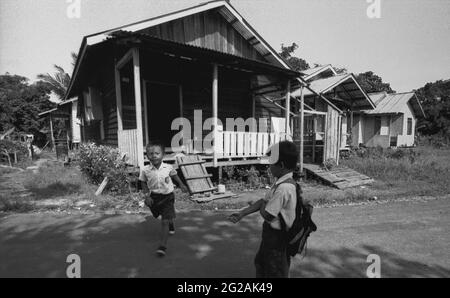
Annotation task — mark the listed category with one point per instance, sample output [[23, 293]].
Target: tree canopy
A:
[[371, 83], [296, 63], [435, 100], [21, 102]]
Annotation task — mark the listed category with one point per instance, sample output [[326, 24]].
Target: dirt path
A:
[[411, 238]]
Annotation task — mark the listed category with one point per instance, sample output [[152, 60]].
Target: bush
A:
[[329, 164], [252, 176], [14, 146], [98, 162]]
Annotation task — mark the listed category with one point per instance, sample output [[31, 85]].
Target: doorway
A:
[[163, 106]]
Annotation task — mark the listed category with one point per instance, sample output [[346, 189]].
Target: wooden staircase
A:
[[341, 177]]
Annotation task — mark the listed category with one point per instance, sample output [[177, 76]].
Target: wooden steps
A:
[[341, 177]]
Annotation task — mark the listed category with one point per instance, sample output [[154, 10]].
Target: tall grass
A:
[[422, 170]]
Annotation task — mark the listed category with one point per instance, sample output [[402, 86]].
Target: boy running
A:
[[156, 180], [278, 212]]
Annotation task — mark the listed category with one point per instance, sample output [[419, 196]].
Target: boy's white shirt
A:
[[158, 180], [281, 199]]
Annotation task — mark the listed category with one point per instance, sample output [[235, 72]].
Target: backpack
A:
[[303, 225]]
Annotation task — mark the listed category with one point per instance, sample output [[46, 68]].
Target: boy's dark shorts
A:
[[163, 205], [272, 259]]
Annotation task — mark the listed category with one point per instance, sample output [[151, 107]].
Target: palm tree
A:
[[60, 80]]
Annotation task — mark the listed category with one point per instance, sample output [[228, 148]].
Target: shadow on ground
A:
[[206, 245]]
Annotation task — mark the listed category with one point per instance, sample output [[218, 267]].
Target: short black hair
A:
[[158, 143], [288, 154]]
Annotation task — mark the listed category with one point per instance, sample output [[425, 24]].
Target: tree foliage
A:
[[435, 100], [60, 80], [371, 83], [21, 102], [296, 63]]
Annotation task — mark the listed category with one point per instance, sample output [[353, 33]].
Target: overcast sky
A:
[[408, 46]]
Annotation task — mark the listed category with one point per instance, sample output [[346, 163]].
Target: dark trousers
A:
[[272, 259]]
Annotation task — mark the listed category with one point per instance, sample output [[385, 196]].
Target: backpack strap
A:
[[298, 199]]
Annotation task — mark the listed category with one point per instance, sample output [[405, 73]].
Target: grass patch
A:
[[18, 205], [55, 180], [420, 171]]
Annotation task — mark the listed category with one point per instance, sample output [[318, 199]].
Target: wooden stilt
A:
[[302, 125]]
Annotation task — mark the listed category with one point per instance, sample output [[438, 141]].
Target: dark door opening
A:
[[163, 106]]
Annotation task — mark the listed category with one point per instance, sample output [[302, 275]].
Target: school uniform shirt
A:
[[158, 180], [281, 199]]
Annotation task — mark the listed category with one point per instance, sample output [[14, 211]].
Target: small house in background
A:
[[392, 123], [341, 96], [67, 113]]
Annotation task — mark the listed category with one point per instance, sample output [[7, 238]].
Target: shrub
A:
[[329, 164], [14, 146], [98, 162]]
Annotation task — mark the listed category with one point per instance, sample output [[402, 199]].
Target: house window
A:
[[409, 128]]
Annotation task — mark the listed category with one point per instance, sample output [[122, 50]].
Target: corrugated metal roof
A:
[[346, 87], [312, 72], [224, 8], [394, 103]]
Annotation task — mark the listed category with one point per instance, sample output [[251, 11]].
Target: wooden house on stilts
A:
[[198, 63]]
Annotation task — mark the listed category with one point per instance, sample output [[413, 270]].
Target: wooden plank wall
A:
[[332, 134], [207, 30]]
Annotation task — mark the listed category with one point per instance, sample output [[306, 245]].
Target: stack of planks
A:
[[198, 180], [341, 177]]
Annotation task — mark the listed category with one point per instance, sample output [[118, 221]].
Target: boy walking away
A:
[[156, 180], [278, 209]]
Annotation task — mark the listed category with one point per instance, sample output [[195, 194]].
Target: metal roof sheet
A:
[[346, 87], [395, 103]]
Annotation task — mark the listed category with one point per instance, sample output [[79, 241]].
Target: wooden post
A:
[[314, 138], [287, 107], [351, 127], [145, 96], [302, 125], [51, 133], [138, 103], [118, 101], [180, 98], [215, 97]]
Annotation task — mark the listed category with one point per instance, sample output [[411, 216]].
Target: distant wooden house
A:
[[392, 123], [131, 82], [340, 95]]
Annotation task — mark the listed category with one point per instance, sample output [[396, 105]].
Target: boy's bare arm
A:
[[146, 190], [145, 187], [255, 207], [179, 183]]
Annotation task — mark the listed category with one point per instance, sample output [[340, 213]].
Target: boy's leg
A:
[[171, 227], [164, 232]]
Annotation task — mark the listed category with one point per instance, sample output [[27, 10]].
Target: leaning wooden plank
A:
[[198, 177], [102, 186], [191, 163]]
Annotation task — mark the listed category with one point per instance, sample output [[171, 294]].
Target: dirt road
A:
[[412, 239]]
